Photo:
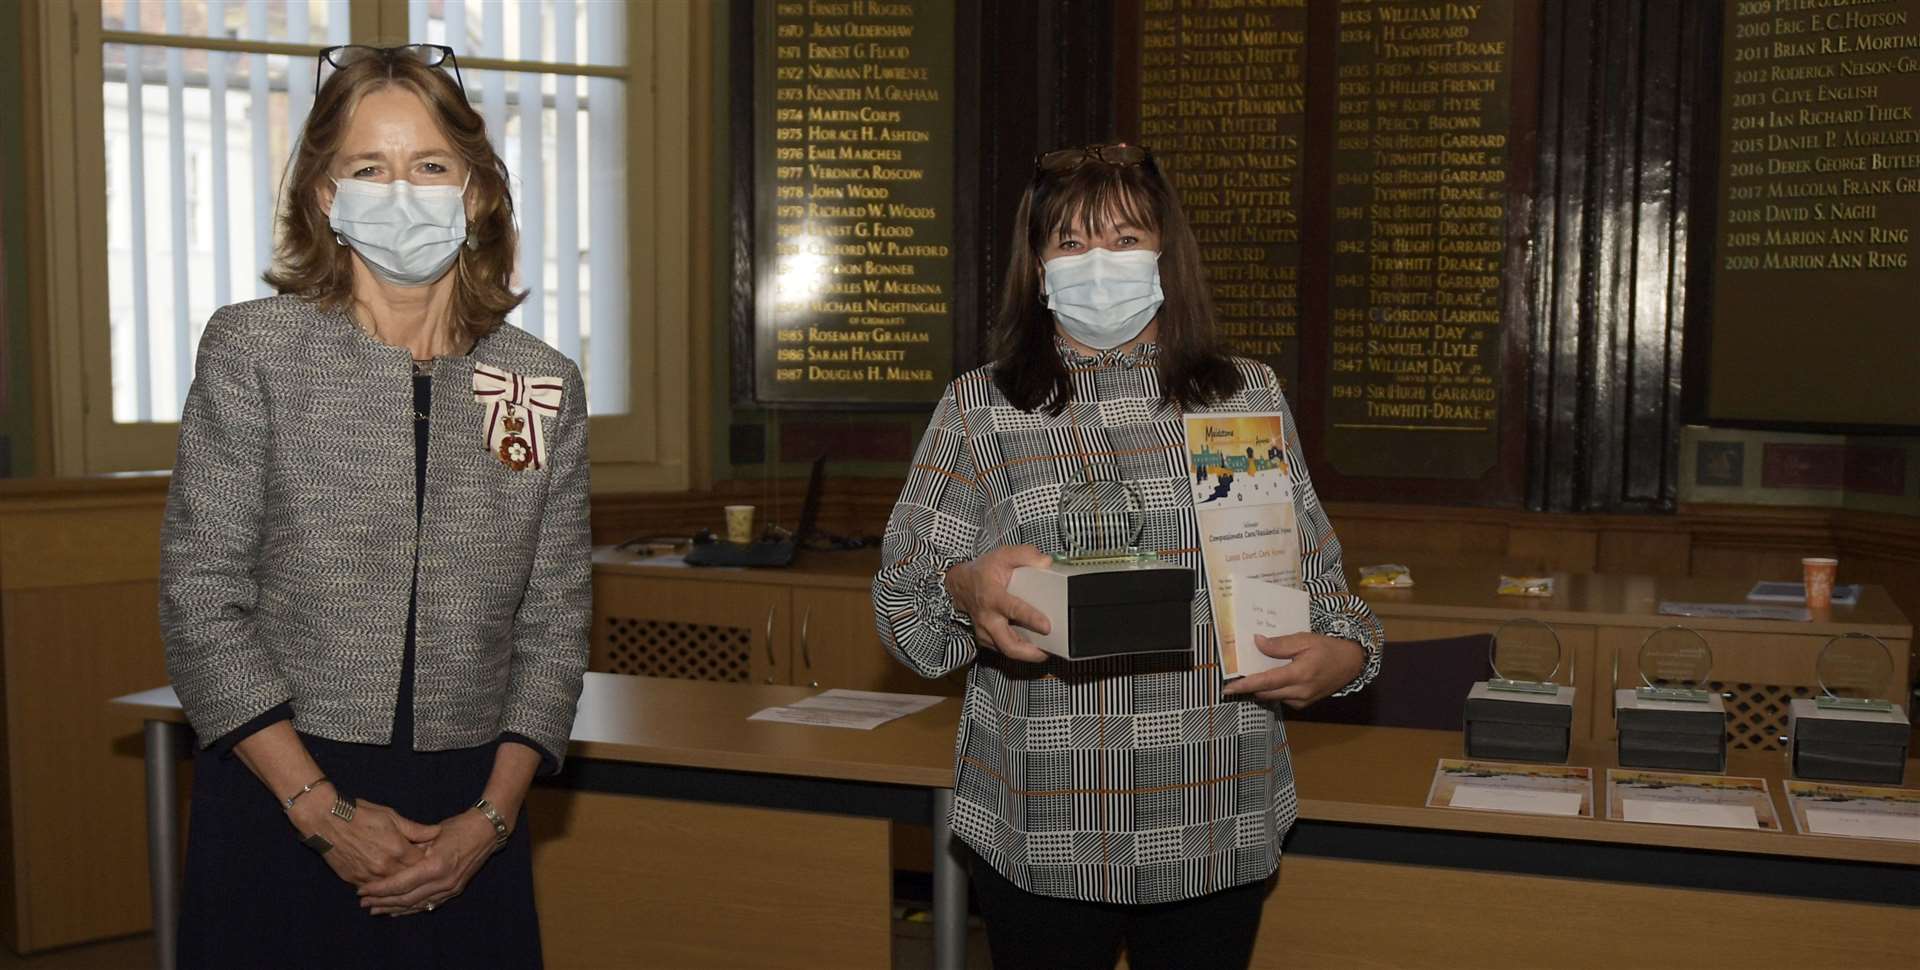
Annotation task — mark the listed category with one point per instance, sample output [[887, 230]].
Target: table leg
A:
[[164, 740], [949, 888]]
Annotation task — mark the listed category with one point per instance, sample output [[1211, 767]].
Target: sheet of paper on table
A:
[[1261, 608], [1862, 825], [1767, 591], [1736, 611], [1689, 813], [1492, 799], [861, 710]]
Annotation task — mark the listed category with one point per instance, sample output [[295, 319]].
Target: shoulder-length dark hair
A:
[[309, 263], [1194, 371]]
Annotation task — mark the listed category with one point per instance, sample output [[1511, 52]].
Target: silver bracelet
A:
[[492, 814], [286, 804]]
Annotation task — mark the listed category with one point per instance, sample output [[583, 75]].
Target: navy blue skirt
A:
[[255, 897]]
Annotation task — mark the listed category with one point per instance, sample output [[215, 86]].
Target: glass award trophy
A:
[[1672, 721], [1674, 664], [1520, 714], [1088, 543], [1855, 671], [1851, 731], [1525, 655], [1103, 595]]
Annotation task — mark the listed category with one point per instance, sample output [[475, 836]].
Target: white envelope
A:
[[1264, 609]]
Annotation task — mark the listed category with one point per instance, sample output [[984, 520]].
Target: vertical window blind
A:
[[204, 100]]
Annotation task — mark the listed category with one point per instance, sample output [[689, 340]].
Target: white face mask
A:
[[408, 234], [1102, 298]]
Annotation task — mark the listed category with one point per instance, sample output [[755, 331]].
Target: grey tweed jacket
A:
[[290, 539]]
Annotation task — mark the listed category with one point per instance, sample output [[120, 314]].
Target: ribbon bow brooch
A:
[[516, 411]]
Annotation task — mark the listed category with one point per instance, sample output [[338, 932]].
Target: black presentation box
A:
[[1671, 735], [1516, 726], [1106, 609], [1840, 745]]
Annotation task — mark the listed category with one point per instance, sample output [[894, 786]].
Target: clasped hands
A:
[[1321, 664], [400, 866]]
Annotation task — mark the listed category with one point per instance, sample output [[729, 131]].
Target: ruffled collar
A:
[[1138, 355]]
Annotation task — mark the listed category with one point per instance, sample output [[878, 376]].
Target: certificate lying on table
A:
[[1669, 798], [1496, 786], [1249, 538], [1855, 811], [862, 710]]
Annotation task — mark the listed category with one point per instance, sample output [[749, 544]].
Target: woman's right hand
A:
[[377, 843], [979, 588]]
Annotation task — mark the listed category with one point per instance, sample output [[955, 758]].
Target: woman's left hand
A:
[[1321, 665], [463, 846]]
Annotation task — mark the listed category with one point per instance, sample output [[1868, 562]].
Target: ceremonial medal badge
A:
[[516, 409], [515, 452]]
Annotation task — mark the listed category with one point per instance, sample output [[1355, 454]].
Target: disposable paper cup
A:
[[740, 523], [1819, 577]]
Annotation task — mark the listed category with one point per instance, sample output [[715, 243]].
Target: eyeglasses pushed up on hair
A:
[[429, 55], [1068, 159]]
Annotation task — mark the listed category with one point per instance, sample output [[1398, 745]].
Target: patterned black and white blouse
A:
[[1126, 779]]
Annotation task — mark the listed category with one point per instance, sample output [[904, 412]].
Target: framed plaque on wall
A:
[[848, 273]]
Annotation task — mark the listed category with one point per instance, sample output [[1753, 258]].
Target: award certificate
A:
[[1243, 500]]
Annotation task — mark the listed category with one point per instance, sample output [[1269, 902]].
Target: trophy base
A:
[[1828, 744], [1507, 725], [1672, 735]]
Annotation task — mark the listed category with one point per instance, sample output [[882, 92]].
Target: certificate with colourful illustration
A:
[[1497, 786], [1673, 798], [1855, 811], [1243, 500]]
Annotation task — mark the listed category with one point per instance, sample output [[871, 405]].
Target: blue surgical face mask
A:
[[408, 234], [1102, 298]]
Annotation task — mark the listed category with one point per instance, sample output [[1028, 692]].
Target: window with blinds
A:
[[203, 100]]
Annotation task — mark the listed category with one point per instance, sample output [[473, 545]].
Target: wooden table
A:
[[678, 743], [1601, 621], [1371, 876]]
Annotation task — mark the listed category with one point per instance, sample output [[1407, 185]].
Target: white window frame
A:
[[668, 139]]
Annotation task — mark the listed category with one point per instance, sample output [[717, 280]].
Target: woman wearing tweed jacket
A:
[[1130, 799], [375, 577]]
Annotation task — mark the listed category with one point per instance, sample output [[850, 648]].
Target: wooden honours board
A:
[[1419, 233], [1223, 104], [1348, 167], [1815, 273], [852, 187]]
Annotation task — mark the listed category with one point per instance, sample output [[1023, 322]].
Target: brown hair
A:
[[310, 263], [1194, 371]]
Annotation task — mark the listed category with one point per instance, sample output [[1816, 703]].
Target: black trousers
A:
[[1027, 931]]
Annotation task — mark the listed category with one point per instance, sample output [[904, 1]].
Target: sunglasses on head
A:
[[1068, 159], [428, 55]]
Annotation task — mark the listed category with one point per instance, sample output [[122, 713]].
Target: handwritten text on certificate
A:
[[1243, 498]]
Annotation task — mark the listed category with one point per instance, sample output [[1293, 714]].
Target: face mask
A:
[[1102, 298], [408, 234]]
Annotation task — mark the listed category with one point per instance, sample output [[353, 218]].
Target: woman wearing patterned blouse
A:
[[1132, 798]]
